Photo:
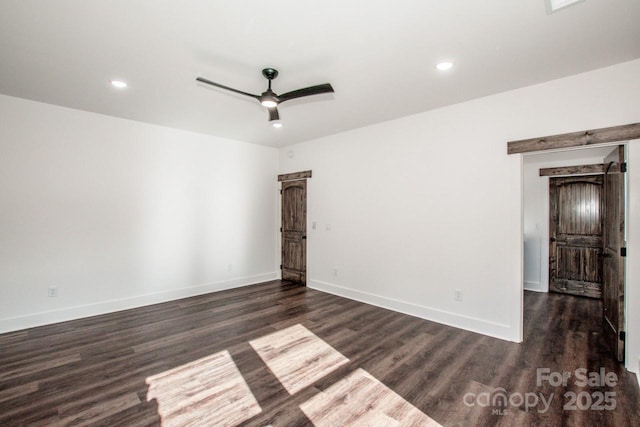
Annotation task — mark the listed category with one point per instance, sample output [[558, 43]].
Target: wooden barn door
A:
[[614, 251], [575, 228], [294, 229]]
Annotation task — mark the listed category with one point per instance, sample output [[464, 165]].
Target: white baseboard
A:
[[103, 307], [480, 326], [534, 286]]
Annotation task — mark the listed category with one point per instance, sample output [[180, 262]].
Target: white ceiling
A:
[[378, 55]]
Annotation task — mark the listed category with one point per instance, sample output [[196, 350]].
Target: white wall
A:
[[536, 209], [427, 204], [117, 213]]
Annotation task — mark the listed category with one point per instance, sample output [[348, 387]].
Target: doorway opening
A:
[[565, 246]]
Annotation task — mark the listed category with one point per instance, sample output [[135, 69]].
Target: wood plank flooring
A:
[[201, 361], [297, 357], [208, 391], [361, 399]]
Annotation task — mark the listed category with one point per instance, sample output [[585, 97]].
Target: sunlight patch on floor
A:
[[297, 357], [209, 391], [212, 391], [360, 399]]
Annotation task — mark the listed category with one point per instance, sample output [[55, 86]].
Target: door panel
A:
[[294, 231], [575, 263], [579, 205], [613, 266]]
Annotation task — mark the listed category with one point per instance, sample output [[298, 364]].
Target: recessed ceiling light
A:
[[118, 83], [560, 4], [276, 124], [444, 66]]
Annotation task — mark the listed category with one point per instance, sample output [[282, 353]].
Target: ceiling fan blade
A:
[[308, 91], [209, 82], [273, 114]]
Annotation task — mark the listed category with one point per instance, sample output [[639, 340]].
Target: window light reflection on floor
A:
[[208, 391], [212, 391]]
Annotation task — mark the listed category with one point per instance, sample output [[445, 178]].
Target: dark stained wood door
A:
[[613, 249], [294, 231], [575, 228]]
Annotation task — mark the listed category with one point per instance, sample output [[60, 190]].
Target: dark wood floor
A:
[[95, 371]]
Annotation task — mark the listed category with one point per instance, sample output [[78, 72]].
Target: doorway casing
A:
[[615, 135]]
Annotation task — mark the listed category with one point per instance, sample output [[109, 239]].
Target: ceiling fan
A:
[[270, 99]]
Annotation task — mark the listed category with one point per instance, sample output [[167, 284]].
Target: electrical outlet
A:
[[230, 268], [52, 291], [335, 272], [458, 296]]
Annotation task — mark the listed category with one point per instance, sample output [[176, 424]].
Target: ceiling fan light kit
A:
[[269, 98]]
